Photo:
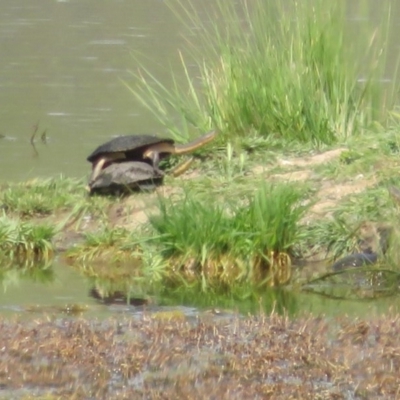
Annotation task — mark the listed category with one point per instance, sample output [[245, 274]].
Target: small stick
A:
[[35, 129]]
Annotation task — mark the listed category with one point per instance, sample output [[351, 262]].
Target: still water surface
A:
[[62, 63], [61, 289]]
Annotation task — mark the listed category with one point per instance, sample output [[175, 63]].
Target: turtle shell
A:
[[125, 177], [132, 145]]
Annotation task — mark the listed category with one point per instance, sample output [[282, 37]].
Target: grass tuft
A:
[[23, 240], [112, 245], [277, 71], [243, 240]]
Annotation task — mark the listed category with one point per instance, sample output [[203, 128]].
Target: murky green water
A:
[[62, 62], [62, 290]]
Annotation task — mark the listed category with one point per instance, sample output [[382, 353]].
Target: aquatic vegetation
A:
[[277, 71], [244, 240], [20, 240]]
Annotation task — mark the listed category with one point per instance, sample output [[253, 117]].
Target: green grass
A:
[[23, 240], [231, 240], [50, 205], [42, 197], [64, 200], [276, 73], [106, 241], [373, 156]]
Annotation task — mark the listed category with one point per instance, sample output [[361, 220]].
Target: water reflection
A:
[[57, 288], [11, 275], [44, 285]]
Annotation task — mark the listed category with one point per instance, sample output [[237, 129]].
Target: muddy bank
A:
[[172, 357]]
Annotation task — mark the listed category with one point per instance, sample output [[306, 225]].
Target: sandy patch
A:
[[331, 193], [312, 160], [130, 212], [134, 211], [294, 176]]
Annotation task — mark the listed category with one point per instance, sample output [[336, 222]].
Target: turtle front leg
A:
[[155, 157], [97, 167]]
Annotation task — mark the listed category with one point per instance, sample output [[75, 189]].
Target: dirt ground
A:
[[134, 211]]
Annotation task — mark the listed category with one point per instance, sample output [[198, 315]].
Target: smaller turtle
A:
[[373, 242], [355, 260], [126, 177], [145, 148]]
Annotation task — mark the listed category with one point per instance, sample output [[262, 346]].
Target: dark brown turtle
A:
[[145, 148], [125, 177]]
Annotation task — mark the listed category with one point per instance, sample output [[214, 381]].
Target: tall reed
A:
[[278, 70]]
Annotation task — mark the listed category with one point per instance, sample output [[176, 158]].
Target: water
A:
[[63, 290], [62, 66]]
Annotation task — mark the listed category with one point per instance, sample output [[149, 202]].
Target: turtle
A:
[[355, 260], [125, 177], [144, 148], [373, 243]]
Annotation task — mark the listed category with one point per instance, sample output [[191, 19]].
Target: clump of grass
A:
[[117, 244], [247, 240], [23, 240], [275, 70]]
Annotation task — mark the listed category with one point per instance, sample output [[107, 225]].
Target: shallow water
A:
[[62, 290]]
